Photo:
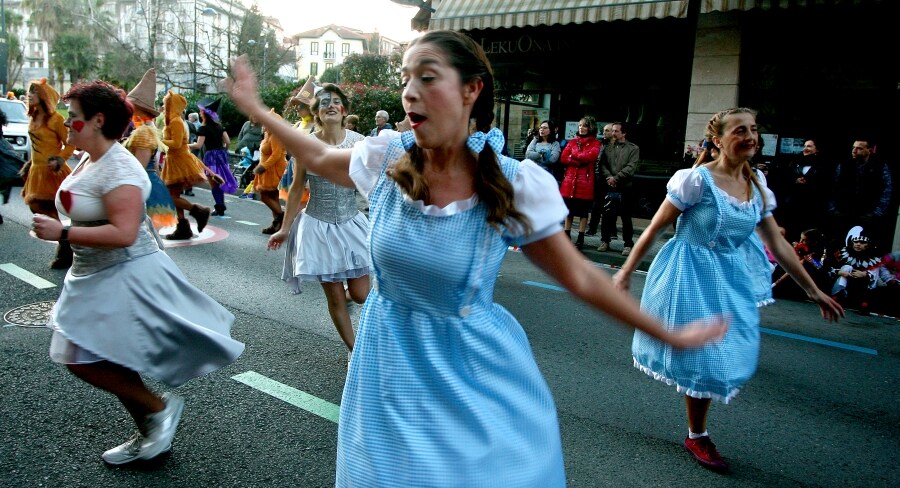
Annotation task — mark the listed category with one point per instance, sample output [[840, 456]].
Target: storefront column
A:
[[715, 73]]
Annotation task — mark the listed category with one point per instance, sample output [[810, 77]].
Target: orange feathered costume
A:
[[47, 140], [273, 158], [181, 166]]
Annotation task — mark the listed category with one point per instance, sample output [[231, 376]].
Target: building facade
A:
[[813, 69], [326, 47]]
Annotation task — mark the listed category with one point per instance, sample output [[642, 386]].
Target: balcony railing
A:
[[330, 55]]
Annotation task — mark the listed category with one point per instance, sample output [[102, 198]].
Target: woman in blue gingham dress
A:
[[443, 389], [714, 265]]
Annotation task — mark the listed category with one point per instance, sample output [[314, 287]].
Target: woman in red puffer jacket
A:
[[577, 187]]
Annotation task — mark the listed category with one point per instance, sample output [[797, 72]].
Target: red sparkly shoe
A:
[[705, 453]]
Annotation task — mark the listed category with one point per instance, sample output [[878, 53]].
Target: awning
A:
[[708, 6], [494, 14]]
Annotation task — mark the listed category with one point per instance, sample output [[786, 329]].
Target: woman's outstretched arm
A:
[[558, 258], [325, 161]]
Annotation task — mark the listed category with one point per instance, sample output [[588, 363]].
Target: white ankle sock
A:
[[697, 436]]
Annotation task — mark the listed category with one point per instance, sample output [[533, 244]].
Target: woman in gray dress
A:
[[157, 324]]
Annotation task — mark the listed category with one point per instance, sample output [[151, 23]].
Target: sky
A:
[[388, 18]]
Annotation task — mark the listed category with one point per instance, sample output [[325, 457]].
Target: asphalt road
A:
[[821, 411]]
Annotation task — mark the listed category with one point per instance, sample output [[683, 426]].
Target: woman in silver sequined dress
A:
[[328, 244]]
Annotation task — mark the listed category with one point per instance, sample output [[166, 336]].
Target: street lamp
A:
[[251, 43], [206, 11]]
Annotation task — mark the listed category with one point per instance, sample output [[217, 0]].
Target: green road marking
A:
[[285, 393], [31, 279]]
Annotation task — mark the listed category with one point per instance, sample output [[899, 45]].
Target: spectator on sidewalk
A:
[[543, 149], [618, 167], [193, 125], [861, 193], [351, 122], [381, 123], [577, 187], [804, 192], [10, 165], [599, 183]]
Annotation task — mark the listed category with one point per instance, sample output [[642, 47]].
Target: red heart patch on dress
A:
[[78, 125], [65, 198]]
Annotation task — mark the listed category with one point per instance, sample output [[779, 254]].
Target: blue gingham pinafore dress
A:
[[705, 270], [443, 389]]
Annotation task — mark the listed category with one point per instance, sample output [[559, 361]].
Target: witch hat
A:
[[210, 106], [143, 95], [307, 92]]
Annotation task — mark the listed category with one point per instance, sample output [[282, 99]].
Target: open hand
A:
[[243, 88], [622, 280], [277, 239], [698, 333], [831, 310]]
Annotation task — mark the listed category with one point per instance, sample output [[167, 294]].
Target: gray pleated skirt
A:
[[142, 314]]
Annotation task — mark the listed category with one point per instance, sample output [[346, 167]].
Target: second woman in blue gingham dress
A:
[[714, 265], [703, 271]]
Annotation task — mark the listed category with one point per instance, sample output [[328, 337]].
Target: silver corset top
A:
[[328, 202], [88, 260]]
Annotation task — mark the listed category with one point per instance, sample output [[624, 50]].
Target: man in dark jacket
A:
[[861, 193], [620, 162], [599, 182]]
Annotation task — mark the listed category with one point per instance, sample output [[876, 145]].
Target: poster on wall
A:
[[769, 143], [571, 129]]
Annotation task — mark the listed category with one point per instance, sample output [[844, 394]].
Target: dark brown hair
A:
[[101, 97], [491, 185]]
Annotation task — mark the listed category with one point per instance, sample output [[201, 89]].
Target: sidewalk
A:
[[614, 256]]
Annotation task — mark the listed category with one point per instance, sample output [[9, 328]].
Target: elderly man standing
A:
[[618, 167], [599, 183], [381, 122]]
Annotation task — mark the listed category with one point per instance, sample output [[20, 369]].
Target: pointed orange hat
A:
[[143, 96]]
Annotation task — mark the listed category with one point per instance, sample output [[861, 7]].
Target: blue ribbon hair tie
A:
[[408, 139], [475, 142], [493, 138]]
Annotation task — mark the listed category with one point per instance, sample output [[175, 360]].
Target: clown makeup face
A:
[[76, 123], [330, 106]]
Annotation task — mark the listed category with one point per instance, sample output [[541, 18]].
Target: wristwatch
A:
[[64, 234]]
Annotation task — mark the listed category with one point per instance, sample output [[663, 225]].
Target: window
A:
[[314, 69], [345, 49], [329, 66], [314, 48], [329, 50]]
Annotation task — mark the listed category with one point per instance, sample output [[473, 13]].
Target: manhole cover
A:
[[31, 315]]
